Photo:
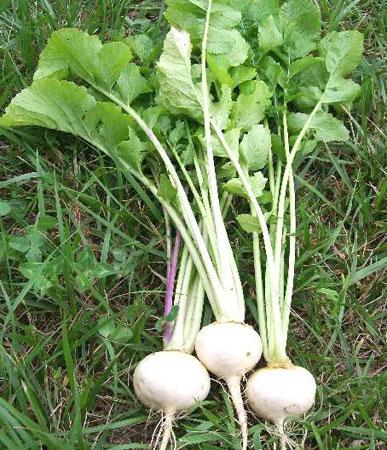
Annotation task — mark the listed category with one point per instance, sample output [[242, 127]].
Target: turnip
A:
[[230, 350], [166, 135], [173, 380], [282, 389], [277, 393], [170, 381]]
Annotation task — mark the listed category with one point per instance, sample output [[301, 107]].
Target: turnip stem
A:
[[168, 234], [292, 240], [274, 275], [259, 290], [200, 201], [284, 184], [171, 276], [271, 167], [215, 287], [229, 277]]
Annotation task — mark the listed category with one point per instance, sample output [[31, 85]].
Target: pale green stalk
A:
[[180, 290], [275, 333], [186, 236], [202, 203], [218, 296], [259, 290], [292, 241], [229, 277], [189, 295], [284, 184]]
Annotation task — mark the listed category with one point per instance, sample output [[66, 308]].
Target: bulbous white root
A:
[[230, 350], [278, 393], [170, 381]]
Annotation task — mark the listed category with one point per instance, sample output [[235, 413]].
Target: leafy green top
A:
[[275, 87]]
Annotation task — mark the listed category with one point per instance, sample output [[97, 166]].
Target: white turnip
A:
[[230, 350], [170, 381], [277, 393]]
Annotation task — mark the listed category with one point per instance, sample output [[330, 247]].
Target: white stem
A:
[[194, 253], [181, 290], [229, 277], [259, 292], [292, 241], [217, 288], [274, 285], [284, 185]]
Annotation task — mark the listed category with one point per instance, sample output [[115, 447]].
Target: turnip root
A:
[[276, 393], [229, 350], [170, 381]]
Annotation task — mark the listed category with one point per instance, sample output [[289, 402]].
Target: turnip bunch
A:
[[241, 93], [308, 77], [96, 92], [173, 380]]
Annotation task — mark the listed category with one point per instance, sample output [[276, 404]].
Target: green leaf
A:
[[326, 128], [5, 208], [303, 63], [219, 69], [34, 271], [242, 73], [122, 334], [166, 190], [45, 223], [255, 147], [143, 46], [273, 71], [301, 26], [34, 254], [251, 104], [86, 259], [342, 52], [20, 244], [132, 151], [64, 106], [105, 326], [249, 223], [73, 51], [221, 109], [131, 84], [36, 238], [172, 314], [308, 146], [269, 34], [177, 89], [224, 40], [84, 281], [258, 10], [229, 44], [257, 182], [232, 139], [103, 270], [178, 133]]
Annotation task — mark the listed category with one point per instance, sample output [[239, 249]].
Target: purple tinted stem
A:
[[171, 276]]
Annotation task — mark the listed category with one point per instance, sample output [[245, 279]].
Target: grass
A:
[[82, 266]]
